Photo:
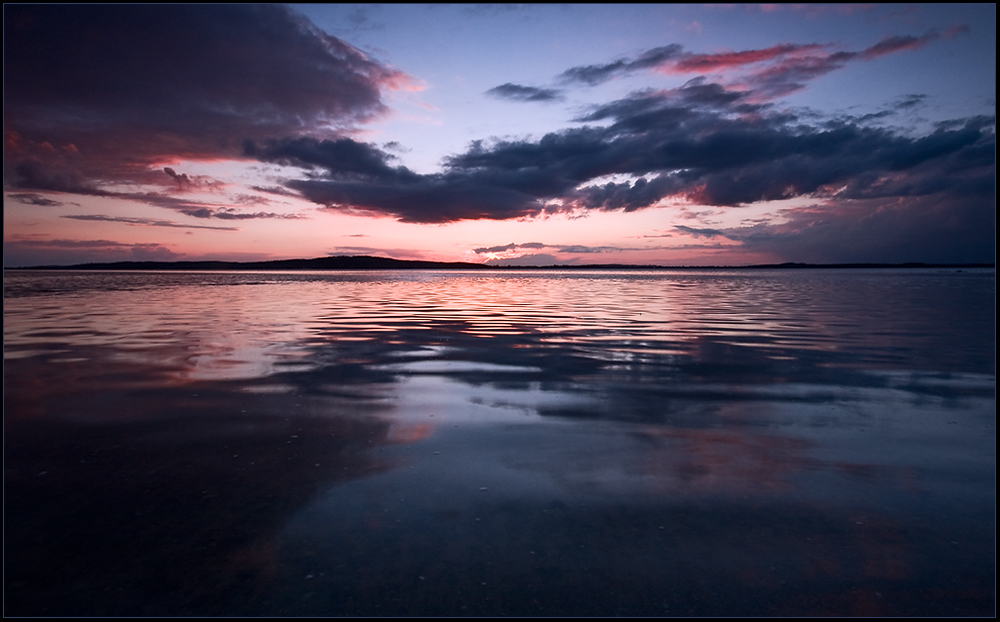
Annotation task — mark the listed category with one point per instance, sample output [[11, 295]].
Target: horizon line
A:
[[372, 262]]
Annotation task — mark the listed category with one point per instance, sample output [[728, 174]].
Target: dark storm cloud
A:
[[700, 143], [354, 176], [629, 196], [706, 153], [722, 159], [428, 199], [345, 157], [35, 167], [935, 229], [96, 93], [517, 92]]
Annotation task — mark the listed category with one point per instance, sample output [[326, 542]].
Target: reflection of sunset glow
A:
[[789, 432], [409, 433], [254, 325], [706, 461]]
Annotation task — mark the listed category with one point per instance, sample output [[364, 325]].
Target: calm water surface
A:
[[516, 443]]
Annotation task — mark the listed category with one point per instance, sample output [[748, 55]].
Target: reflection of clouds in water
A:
[[368, 429], [451, 401], [118, 481], [455, 367]]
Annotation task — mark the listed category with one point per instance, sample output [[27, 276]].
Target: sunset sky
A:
[[645, 134]]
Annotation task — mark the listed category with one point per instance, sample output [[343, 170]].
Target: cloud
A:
[[394, 253], [699, 144], [517, 92], [228, 213], [706, 63], [773, 72], [32, 251], [357, 177], [695, 142], [537, 259], [279, 190], [700, 233], [795, 66], [810, 10], [96, 94], [548, 259], [510, 247], [343, 156], [897, 44], [153, 252], [250, 199], [99, 98], [147, 222], [183, 181], [583, 249], [34, 199], [934, 229], [197, 209], [714, 158], [575, 249], [64, 243], [188, 183], [495, 249], [909, 101], [596, 74]]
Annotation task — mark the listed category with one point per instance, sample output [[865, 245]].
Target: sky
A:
[[509, 134]]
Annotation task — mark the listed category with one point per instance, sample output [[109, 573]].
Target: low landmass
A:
[[367, 262]]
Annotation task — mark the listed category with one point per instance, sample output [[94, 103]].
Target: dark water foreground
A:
[[435, 443]]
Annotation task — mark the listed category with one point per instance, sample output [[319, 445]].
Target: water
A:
[[465, 443]]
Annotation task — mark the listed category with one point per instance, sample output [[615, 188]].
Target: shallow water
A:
[[512, 443]]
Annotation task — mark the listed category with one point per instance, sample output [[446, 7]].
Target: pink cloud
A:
[[700, 63]]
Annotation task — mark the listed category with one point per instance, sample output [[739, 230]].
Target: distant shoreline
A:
[[366, 262]]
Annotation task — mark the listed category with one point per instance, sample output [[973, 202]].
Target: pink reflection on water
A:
[[830, 405], [725, 461], [241, 325]]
